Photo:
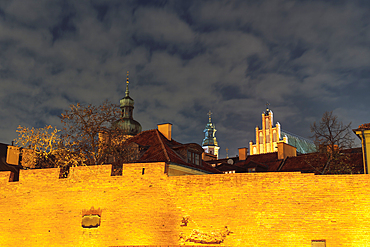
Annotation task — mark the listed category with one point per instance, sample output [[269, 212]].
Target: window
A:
[[250, 170], [274, 136], [194, 158], [197, 159], [267, 123], [261, 138]]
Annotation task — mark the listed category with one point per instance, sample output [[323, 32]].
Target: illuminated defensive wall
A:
[[146, 207]]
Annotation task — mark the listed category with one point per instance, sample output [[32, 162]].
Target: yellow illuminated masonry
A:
[[150, 208]]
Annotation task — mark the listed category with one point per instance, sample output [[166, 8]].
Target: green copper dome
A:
[[129, 126], [127, 122]]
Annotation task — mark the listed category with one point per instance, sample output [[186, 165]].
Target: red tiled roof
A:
[[228, 167], [273, 166], [268, 162], [263, 158], [269, 159], [312, 162], [315, 163], [252, 164], [157, 148], [304, 163]]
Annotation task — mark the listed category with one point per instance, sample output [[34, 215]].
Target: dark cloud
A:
[[186, 58]]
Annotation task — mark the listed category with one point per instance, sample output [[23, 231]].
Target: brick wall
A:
[[260, 209]]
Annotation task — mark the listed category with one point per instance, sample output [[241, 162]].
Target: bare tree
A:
[[40, 146], [86, 128], [331, 137], [89, 137]]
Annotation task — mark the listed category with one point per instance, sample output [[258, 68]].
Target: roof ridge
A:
[[164, 148], [139, 134], [147, 130]]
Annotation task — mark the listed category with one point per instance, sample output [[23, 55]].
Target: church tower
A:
[[268, 137], [209, 143], [127, 123]]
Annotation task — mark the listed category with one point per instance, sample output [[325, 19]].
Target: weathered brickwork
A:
[[259, 209]]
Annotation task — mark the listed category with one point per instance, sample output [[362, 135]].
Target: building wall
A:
[[364, 135], [213, 150], [260, 209], [286, 150]]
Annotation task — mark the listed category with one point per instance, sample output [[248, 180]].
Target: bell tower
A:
[[127, 123], [209, 143]]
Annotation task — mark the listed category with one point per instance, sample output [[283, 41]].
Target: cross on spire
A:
[[127, 91], [267, 105], [209, 115]]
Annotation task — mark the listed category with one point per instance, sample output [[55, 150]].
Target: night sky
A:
[[186, 58]]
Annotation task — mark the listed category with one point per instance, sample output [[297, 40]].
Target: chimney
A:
[[243, 152], [166, 130], [12, 156], [286, 150]]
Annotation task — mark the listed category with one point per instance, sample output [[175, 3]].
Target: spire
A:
[[209, 116], [210, 130], [127, 82], [267, 112], [126, 103], [127, 122], [209, 143]]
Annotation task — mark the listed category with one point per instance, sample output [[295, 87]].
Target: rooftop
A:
[[157, 148], [307, 163]]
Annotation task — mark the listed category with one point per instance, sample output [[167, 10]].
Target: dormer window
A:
[[193, 158]]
